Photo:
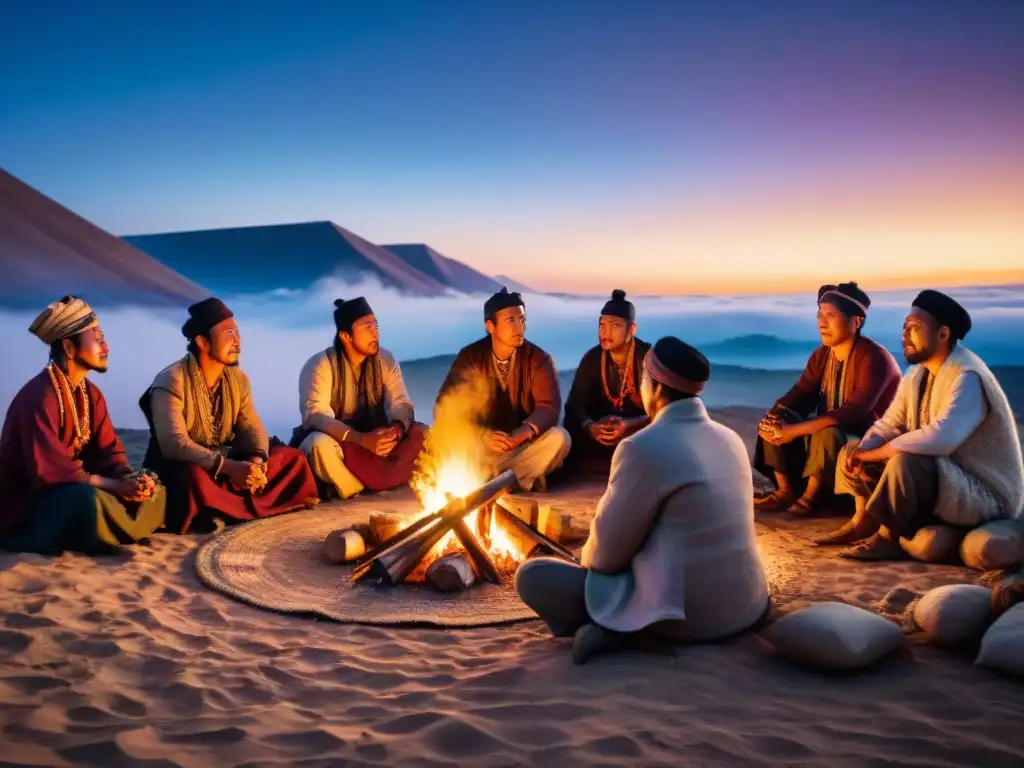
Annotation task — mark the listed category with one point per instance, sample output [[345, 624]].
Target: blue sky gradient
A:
[[543, 140]]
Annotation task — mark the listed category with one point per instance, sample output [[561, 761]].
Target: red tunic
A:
[[36, 454]]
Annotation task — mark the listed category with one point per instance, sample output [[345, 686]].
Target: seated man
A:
[[520, 416], [945, 450], [604, 404], [672, 548], [357, 420], [207, 443], [65, 483], [849, 381]]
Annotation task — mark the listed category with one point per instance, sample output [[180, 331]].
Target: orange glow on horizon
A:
[[943, 227]]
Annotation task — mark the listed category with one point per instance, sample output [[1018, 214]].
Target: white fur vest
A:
[[983, 479]]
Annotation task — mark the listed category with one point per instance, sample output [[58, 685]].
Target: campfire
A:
[[475, 538], [469, 529]]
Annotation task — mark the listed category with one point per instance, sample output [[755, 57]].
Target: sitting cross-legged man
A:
[[520, 416], [848, 383], [65, 483], [604, 404], [946, 450], [207, 442], [357, 419], [672, 549]]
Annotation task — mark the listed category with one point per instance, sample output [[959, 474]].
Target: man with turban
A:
[[946, 450], [65, 483], [672, 549], [604, 404], [848, 382], [357, 419], [518, 411], [207, 441]]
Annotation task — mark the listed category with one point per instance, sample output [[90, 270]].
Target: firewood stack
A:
[[397, 554]]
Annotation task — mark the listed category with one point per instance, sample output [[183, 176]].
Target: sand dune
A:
[[130, 661]]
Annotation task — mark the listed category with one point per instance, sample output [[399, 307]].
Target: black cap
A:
[[617, 306], [946, 310], [203, 315], [347, 312], [502, 300]]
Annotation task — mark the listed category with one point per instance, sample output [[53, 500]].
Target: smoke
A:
[[282, 329]]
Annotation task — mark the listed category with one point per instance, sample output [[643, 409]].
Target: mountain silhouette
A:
[[288, 256], [456, 275], [47, 251], [515, 286]]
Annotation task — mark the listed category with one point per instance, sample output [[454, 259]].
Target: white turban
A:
[[64, 318]]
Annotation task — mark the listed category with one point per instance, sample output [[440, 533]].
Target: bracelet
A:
[[344, 438]]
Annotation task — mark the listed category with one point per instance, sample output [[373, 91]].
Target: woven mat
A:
[[278, 564]]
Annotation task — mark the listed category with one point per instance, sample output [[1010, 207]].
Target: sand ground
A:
[[130, 661]]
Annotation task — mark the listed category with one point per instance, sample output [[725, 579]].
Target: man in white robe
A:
[[672, 549]]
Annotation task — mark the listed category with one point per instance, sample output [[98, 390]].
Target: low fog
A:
[[281, 330]]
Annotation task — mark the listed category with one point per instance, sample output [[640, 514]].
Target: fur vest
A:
[[983, 479]]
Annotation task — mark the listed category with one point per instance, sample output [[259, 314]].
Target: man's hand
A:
[[881, 453], [257, 474], [596, 430], [380, 441], [498, 442], [239, 472], [132, 488], [854, 460], [615, 428], [146, 484], [784, 433]]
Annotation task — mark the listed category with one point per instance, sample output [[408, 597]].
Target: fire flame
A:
[[454, 463]]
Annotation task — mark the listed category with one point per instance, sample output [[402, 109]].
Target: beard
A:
[[99, 365], [914, 356], [230, 359]]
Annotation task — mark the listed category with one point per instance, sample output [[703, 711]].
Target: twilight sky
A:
[[655, 146]]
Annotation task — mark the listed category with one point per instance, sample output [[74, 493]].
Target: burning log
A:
[[397, 539], [396, 558], [533, 534], [393, 567], [452, 573], [478, 555]]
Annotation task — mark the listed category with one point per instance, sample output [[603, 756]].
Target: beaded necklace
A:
[[82, 423], [627, 385]]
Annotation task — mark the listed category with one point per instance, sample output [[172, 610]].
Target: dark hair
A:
[[57, 353], [193, 348], [493, 319]]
